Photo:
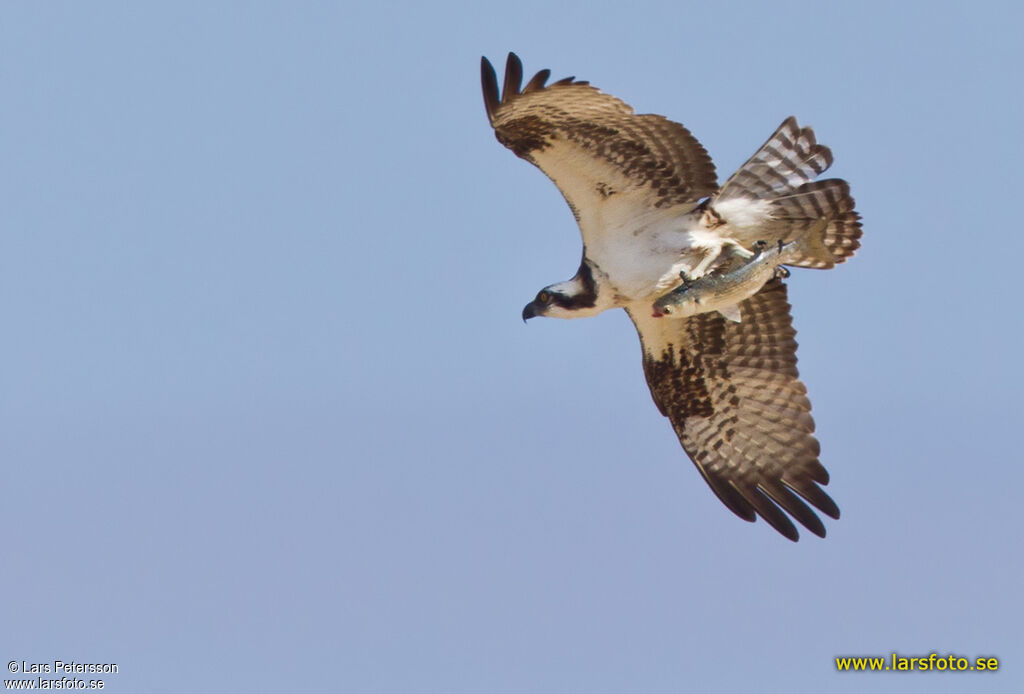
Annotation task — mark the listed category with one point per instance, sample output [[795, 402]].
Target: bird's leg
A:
[[710, 255], [736, 250], [780, 272]]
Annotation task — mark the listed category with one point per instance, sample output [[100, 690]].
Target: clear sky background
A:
[[270, 420]]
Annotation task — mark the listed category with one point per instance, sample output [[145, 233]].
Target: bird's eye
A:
[[543, 297]]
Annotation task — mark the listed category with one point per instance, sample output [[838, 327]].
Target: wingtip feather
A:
[[536, 83], [513, 77], [793, 505], [489, 83], [774, 515]]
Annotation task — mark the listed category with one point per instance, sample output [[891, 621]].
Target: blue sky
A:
[[270, 421]]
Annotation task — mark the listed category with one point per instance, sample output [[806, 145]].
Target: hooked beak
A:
[[530, 311]]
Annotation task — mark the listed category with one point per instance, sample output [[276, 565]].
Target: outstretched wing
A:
[[732, 393], [611, 165]]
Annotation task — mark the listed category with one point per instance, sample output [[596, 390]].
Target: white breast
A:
[[643, 256]]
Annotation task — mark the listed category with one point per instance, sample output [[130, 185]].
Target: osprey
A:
[[644, 193]]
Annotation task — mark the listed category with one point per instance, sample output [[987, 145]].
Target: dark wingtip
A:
[[789, 532], [810, 491], [489, 82], [774, 515], [536, 83], [513, 77], [512, 84], [827, 506], [787, 499]]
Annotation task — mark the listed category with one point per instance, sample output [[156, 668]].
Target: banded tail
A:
[[782, 173]]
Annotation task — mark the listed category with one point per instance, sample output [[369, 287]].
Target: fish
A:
[[723, 292]]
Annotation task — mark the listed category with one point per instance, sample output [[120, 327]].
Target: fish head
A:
[[677, 303]]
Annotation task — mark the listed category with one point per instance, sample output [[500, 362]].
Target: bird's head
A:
[[575, 298]]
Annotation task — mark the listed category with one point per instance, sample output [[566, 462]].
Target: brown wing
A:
[[610, 164], [732, 393]]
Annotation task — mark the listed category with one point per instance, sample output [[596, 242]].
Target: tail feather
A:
[[778, 182], [790, 158], [823, 213]]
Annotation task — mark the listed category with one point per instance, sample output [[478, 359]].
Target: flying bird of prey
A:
[[644, 193]]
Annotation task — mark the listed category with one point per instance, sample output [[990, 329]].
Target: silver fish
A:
[[723, 292]]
